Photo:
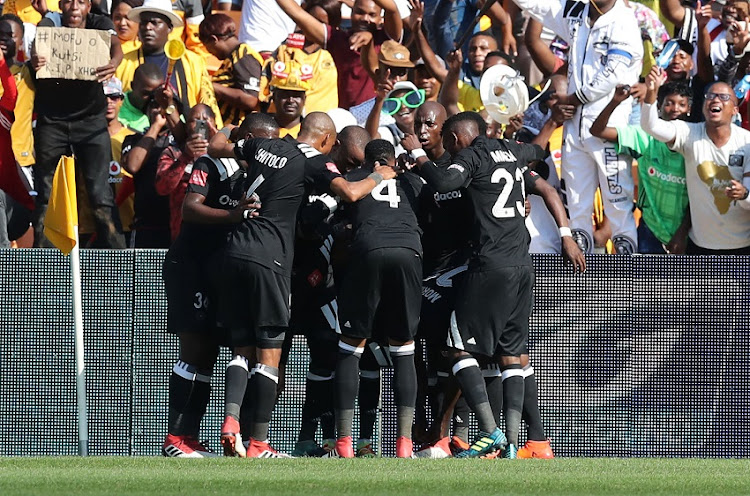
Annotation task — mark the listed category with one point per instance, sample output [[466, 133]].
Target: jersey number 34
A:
[[501, 209], [391, 196]]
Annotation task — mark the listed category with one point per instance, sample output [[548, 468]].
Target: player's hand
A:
[[105, 72], [515, 124], [196, 146], [359, 40], [455, 59], [573, 254], [250, 205], [623, 91], [386, 171], [410, 142]]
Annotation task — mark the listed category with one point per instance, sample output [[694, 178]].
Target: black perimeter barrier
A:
[[641, 356]]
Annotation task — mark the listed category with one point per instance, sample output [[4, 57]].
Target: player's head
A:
[[494, 128], [480, 44], [349, 151], [674, 100], [319, 131], [259, 125], [720, 104], [380, 151], [461, 129], [428, 124]]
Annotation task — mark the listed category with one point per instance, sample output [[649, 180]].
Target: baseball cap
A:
[[402, 85], [395, 54], [113, 86], [291, 75], [685, 45]]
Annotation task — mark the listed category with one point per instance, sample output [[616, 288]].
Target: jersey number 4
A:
[[501, 209], [391, 196]]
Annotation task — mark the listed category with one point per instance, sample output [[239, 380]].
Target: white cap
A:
[[163, 7], [341, 118]]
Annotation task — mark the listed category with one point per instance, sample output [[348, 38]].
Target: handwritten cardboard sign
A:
[[72, 53]]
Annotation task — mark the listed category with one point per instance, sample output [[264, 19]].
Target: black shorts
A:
[[254, 304], [438, 302], [492, 312], [191, 303], [383, 285]]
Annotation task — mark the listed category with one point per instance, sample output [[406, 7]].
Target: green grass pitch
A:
[[316, 477]]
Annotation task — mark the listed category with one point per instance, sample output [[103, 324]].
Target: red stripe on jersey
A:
[[198, 177], [332, 167]]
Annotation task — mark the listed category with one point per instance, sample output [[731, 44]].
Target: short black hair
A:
[[464, 117], [679, 88], [502, 55], [13, 18], [381, 151], [258, 121], [148, 71]]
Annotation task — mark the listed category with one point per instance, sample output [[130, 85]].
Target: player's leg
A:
[[318, 398], [578, 182], [494, 384], [358, 305], [190, 381], [616, 183], [402, 297], [368, 397], [519, 284], [537, 444]]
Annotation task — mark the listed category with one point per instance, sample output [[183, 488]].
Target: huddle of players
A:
[[264, 223]]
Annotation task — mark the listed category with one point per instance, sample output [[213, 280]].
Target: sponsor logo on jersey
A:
[[114, 173], [430, 294], [226, 200], [314, 278], [451, 195], [501, 156], [669, 178], [198, 178], [332, 167]]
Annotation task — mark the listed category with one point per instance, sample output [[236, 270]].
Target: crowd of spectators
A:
[[134, 135]]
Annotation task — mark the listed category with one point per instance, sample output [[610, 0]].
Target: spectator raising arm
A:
[[705, 64], [313, 29], [373, 120], [449, 95], [599, 128], [540, 52], [434, 65], [660, 129]]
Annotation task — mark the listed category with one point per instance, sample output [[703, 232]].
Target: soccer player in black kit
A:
[[383, 285], [214, 204], [495, 175], [255, 298]]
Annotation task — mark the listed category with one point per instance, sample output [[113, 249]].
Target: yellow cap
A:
[[291, 75]]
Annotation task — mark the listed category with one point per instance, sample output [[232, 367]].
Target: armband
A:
[[416, 153], [376, 177], [565, 232]]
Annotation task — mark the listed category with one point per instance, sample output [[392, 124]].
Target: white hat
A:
[[402, 85], [503, 93], [163, 7], [341, 118]]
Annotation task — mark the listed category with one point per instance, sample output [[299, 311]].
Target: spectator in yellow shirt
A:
[[127, 29]]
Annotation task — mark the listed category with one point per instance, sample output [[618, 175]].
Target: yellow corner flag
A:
[[62, 211]]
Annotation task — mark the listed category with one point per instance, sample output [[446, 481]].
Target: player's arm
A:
[[599, 128], [137, 155], [442, 179], [314, 30], [351, 192], [570, 250], [194, 210], [219, 145]]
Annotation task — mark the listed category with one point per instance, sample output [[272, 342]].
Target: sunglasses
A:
[[724, 97], [413, 99], [116, 97]]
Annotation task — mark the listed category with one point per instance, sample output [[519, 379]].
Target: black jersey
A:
[[221, 181], [386, 218], [278, 171], [495, 174], [446, 220], [150, 208]]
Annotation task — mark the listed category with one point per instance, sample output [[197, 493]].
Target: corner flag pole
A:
[[80, 359]]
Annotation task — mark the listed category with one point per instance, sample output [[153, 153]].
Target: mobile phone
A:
[[201, 127]]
